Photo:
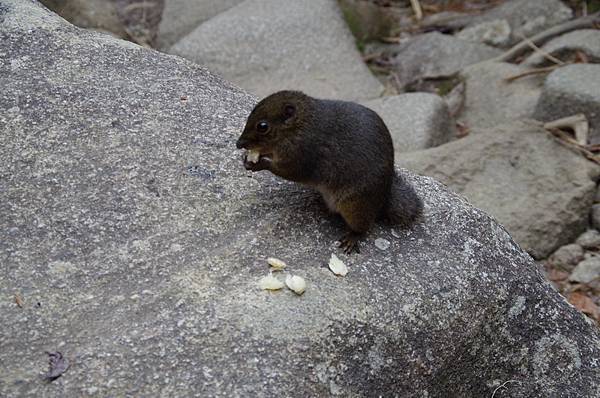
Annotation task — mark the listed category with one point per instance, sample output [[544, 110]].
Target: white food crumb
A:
[[270, 282], [296, 283], [276, 263], [382, 244], [337, 266], [253, 156]]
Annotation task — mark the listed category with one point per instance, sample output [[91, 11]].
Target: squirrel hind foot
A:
[[349, 242]]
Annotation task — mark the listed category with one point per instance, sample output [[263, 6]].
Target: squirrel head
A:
[[273, 120]]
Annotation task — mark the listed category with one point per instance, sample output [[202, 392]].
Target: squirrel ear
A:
[[289, 111]]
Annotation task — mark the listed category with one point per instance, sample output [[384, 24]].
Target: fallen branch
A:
[[391, 40], [542, 37], [578, 123], [567, 140], [543, 53], [369, 57], [416, 6], [455, 99]]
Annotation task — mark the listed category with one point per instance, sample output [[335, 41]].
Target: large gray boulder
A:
[[538, 189], [435, 55], [415, 120], [134, 239], [180, 17], [490, 99], [570, 90], [264, 46]]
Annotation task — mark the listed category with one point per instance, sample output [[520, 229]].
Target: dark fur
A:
[[339, 147]]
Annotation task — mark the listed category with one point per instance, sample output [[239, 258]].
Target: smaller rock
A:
[[589, 239], [567, 257], [584, 40], [369, 21], [570, 90], [491, 100], [495, 33], [434, 55], [524, 199], [180, 17], [596, 216], [264, 47], [586, 271], [92, 14], [382, 244], [527, 17], [415, 120]]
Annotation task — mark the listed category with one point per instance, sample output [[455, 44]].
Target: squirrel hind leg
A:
[[359, 214], [404, 207]]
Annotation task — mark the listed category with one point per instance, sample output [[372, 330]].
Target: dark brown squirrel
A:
[[342, 149]]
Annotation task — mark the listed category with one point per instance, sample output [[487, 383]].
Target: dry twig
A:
[[537, 71], [372, 56], [542, 37], [416, 6], [543, 53], [578, 123], [455, 99], [569, 141]]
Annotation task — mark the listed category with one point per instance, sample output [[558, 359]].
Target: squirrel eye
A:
[[262, 127]]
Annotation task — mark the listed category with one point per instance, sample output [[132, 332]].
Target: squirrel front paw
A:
[[263, 163]]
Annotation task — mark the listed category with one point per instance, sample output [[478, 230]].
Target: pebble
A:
[[495, 33], [589, 239], [586, 271], [382, 244], [596, 216], [566, 257]]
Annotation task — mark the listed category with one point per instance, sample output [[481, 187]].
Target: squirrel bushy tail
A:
[[403, 207]]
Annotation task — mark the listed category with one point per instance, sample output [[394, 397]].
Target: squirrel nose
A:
[[241, 143]]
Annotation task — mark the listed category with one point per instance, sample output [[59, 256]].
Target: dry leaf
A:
[[462, 130], [58, 365], [585, 304], [557, 275], [19, 300]]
